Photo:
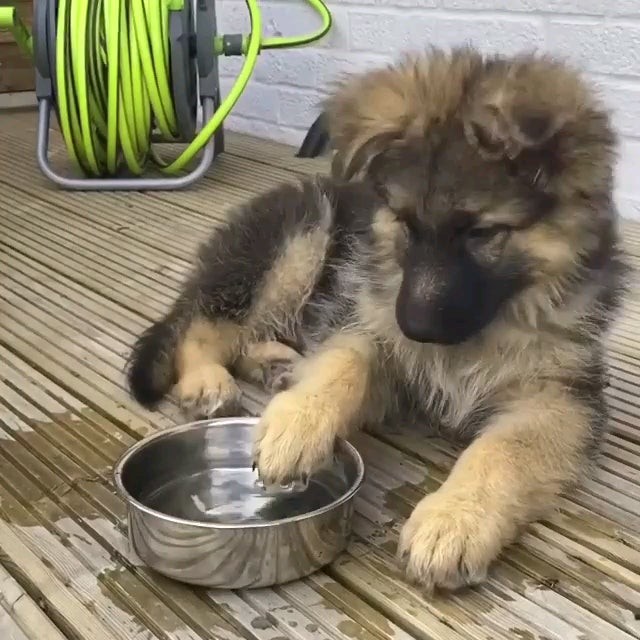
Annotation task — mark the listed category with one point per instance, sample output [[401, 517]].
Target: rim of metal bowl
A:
[[219, 422]]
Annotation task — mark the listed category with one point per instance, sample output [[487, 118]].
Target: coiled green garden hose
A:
[[113, 80]]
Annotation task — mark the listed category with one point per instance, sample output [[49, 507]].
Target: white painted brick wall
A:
[[603, 36]]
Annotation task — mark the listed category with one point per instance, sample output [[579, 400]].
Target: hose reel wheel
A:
[[44, 48], [184, 82], [183, 60]]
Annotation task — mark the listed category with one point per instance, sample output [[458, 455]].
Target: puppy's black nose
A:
[[415, 328], [427, 332]]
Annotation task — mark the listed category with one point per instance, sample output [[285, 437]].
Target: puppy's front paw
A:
[[272, 377], [268, 364], [208, 391], [295, 437], [449, 542], [279, 376]]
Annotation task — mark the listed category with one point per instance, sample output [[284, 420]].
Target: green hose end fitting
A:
[[6, 17], [9, 19], [231, 44]]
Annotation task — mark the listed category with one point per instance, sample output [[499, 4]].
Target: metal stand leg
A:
[[119, 184]]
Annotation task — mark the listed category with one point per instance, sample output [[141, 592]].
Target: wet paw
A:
[[295, 438], [207, 392]]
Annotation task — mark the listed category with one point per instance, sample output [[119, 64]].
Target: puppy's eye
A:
[[487, 233], [488, 243]]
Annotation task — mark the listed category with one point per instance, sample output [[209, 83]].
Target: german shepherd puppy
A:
[[459, 268]]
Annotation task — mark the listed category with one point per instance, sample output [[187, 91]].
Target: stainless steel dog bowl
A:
[[198, 514]]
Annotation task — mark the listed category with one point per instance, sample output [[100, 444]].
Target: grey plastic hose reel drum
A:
[[194, 79]]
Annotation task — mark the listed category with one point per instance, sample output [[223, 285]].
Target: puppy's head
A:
[[505, 191]]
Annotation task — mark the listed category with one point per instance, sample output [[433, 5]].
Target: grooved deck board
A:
[[81, 275]]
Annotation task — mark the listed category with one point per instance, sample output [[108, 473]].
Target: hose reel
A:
[[122, 76]]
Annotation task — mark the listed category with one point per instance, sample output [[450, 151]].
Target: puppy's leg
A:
[[205, 387], [508, 477], [328, 399], [250, 280]]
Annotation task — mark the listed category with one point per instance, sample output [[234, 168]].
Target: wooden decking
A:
[[80, 276]]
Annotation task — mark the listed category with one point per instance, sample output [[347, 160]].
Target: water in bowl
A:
[[233, 496]]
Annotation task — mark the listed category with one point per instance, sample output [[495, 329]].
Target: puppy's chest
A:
[[452, 397]]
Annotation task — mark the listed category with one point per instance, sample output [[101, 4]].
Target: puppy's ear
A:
[[396, 172], [506, 130], [359, 159], [535, 125], [368, 110], [522, 105]]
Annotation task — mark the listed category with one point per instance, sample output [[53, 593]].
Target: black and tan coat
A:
[[459, 268]]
